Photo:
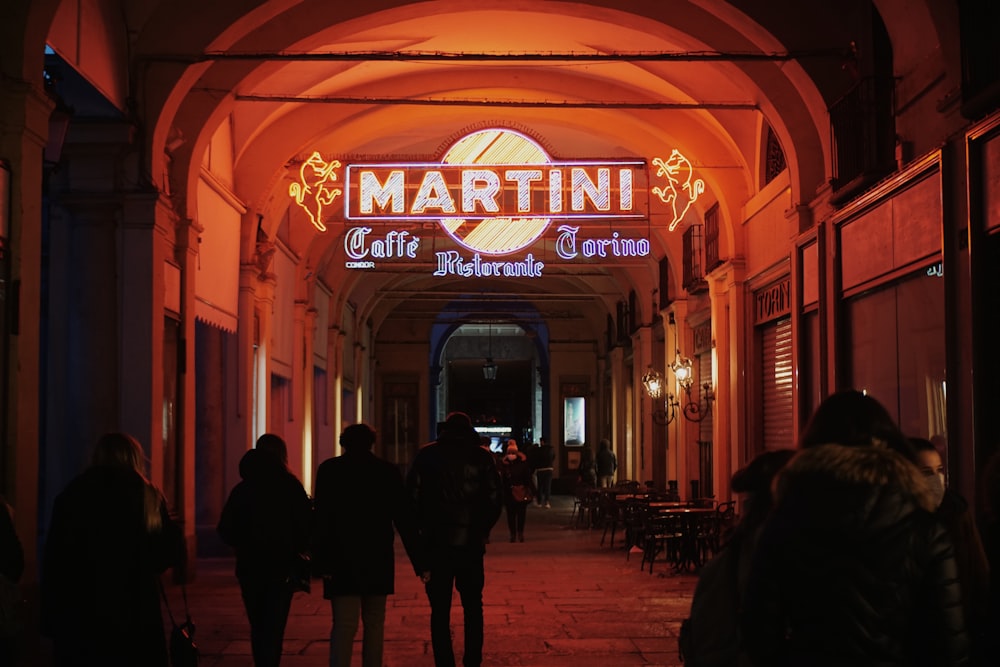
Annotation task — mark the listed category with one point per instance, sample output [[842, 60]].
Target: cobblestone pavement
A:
[[558, 599]]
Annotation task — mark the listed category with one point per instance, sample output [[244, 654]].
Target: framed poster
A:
[[574, 421]]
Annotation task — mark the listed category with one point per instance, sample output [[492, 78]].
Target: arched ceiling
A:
[[288, 77]]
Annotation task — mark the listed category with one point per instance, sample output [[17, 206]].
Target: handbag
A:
[[183, 649], [521, 493]]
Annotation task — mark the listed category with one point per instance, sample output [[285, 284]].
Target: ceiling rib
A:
[[467, 102], [461, 56]]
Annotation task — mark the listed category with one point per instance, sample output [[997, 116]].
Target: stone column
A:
[[730, 330], [263, 309], [24, 127], [186, 255]]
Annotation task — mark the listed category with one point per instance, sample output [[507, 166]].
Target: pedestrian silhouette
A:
[[359, 499], [455, 488], [267, 521], [518, 489], [109, 539]]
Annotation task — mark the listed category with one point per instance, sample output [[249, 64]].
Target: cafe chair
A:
[[611, 516], [663, 534], [585, 507], [633, 520]]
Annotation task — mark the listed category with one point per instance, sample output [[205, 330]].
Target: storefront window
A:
[[897, 350]]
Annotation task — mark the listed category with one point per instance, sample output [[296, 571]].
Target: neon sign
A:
[[312, 192], [679, 192], [432, 191], [494, 193]]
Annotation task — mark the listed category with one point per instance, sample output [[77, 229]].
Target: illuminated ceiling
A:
[[395, 80]]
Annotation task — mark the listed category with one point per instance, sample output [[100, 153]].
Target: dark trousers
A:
[[516, 514], [267, 604], [544, 478], [462, 568]]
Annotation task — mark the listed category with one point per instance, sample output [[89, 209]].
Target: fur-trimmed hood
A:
[[867, 486]]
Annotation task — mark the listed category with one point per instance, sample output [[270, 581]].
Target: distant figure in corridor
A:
[[359, 498], [267, 520], [544, 459], [109, 540], [970, 557], [518, 489], [852, 567], [606, 464], [455, 488]]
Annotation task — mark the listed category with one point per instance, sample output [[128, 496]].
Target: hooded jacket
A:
[[455, 488], [267, 518], [852, 568]]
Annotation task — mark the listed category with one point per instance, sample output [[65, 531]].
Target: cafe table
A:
[[693, 524]]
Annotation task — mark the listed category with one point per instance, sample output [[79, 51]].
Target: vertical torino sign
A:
[[495, 193]]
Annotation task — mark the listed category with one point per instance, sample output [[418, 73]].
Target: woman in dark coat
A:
[[852, 567], [516, 472], [267, 520], [110, 538], [359, 498]]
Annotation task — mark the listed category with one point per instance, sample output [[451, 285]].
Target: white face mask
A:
[[936, 483]]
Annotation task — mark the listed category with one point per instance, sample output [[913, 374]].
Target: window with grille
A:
[[774, 160], [712, 259], [694, 269]]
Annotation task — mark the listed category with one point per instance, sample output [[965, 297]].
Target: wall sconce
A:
[[692, 410]]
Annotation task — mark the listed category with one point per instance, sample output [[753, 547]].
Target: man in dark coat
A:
[[359, 498], [455, 488], [267, 520]]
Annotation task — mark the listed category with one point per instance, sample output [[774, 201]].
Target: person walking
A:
[[267, 520], [851, 566], [359, 498], [110, 538], [607, 464], [455, 489], [518, 489], [545, 458]]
